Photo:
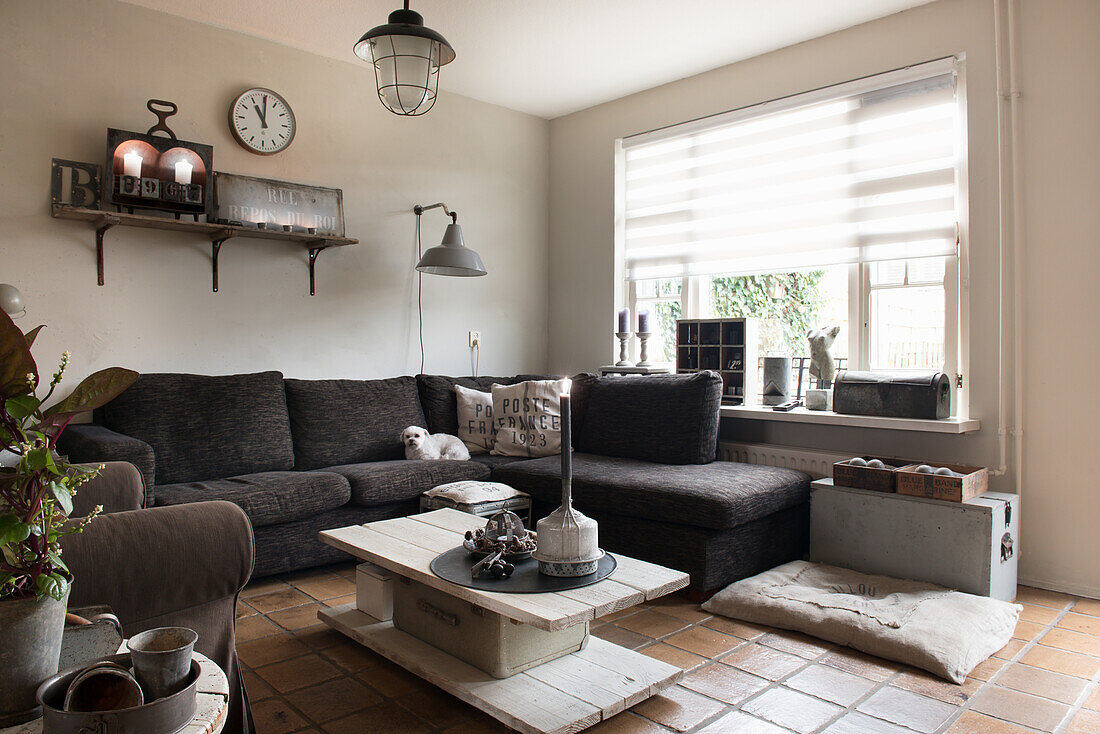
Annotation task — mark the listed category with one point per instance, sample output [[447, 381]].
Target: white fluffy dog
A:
[[419, 444]]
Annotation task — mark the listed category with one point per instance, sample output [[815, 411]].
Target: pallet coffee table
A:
[[566, 694]]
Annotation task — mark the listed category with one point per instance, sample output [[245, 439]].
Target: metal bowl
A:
[[168, 715]]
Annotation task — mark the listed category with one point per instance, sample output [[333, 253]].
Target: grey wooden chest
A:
[[971, 546]]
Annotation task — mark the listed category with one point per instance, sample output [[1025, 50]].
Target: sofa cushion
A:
[[719, 495], [350, 421], [669, 419], [528, 418], [268, 498], [437, 396], [206, 427], [382, 482]]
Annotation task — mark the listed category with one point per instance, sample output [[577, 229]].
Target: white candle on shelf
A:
[[131, 164], [624, 320], [183, 172]]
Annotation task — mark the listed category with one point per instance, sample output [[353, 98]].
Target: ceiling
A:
[[552, 57]]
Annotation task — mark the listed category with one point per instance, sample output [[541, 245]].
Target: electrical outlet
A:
[[475, 339]]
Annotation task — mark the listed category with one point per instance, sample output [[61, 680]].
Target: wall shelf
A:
[[218, 234]]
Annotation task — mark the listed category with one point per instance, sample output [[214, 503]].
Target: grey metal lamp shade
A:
[[11, 300], [452, 257]]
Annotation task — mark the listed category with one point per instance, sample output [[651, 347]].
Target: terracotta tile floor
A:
[[741, 678]]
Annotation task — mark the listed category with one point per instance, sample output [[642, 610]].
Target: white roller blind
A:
[[860, 172]]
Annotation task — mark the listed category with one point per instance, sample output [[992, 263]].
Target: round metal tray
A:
[[454, 566], [169, 714]]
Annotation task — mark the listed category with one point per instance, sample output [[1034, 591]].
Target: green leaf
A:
[[31, 335], [16, 361], [21, 406], [63, 495], [37, 459], [93, 392], [13, 530], [52, 584]]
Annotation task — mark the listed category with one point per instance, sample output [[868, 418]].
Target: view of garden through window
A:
[[905, 310]]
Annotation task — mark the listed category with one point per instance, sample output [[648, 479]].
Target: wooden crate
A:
[[974, 482], [869, 477]]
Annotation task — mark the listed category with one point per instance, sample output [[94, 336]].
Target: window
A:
[[835, 207]]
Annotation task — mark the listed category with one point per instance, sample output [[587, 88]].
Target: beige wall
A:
[[1061, 507], [74, 68]]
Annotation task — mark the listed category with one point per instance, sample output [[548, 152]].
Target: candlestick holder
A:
[[624, 339], [643, 357]]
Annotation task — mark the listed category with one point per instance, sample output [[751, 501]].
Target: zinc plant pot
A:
[[30, 647]]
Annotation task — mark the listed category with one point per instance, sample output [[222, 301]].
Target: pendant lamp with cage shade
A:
[[406, 56]]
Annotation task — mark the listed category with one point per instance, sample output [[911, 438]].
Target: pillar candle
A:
[[624, 321], [183, 172], [131, 164], [643, 322], [566, 440]]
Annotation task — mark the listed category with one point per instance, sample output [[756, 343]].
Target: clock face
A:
[[262, 121]]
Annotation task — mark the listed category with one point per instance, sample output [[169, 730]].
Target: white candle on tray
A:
[[566, 442], [624, 320], [643, 322]]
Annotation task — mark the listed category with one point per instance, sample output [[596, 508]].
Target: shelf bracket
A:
[[104, 223], [314, 251], [216, 242]]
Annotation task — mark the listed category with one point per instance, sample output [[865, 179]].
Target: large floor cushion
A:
[[206, 427], [437, 396], [350, 421], [382, 482], [268, 498], [719, 495], [944, 632]]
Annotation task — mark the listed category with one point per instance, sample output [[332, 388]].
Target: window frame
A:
[[695, 304]]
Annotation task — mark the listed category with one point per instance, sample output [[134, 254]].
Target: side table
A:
[[209, 718]]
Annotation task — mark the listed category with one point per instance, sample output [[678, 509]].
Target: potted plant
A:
[[36, 497]]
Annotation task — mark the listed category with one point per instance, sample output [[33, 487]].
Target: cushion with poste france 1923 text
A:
[[528, 418]]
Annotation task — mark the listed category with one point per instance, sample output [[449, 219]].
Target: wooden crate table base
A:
[[564, 681]]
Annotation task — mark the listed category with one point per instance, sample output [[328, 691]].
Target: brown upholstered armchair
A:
[[165, 566]]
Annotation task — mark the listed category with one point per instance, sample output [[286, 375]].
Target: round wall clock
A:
[[262, 121]]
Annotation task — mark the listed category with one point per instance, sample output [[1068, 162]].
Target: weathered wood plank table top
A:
[[568, 694]]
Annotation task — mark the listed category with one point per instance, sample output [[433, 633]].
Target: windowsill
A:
[[828, 418]]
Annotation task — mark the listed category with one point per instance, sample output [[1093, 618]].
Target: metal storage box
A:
[[889, 394], [971, 546], [487, 640]]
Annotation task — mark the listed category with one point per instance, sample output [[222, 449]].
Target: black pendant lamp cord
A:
[[419, 287]]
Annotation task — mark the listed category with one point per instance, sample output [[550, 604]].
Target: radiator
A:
[[816, 463]]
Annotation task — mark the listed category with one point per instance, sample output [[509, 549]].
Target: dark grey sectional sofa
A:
[[299, 456]]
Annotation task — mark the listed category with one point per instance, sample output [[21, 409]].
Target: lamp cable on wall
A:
[[419, 293]]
